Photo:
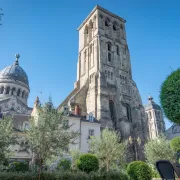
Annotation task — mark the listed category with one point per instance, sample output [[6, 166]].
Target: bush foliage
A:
[[64, 164], [19, 166], [158, 149], [112, 175], [170, 96], [139, 170], [175, 144], [88, 163]]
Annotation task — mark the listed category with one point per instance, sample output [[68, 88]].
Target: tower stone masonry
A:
[[104, 86]]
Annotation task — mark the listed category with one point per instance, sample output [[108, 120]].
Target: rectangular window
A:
[[65, 124], [91, 132]]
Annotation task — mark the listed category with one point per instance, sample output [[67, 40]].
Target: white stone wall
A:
[[85, 127]]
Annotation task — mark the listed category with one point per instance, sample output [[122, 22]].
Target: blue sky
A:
[[44, 33]]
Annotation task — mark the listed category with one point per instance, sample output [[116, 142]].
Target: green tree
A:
[[108, 149], [158, 149], [175, 145], [6, 137], [47, 136], [75, 155], [170, 97]]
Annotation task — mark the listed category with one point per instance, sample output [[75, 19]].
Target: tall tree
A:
[[170, 96], [47, 136], [108, 149], [6, 137], [158, 149]]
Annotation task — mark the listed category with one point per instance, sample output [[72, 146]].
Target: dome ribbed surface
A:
[[14, 72]]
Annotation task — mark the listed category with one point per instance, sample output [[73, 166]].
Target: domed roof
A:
[[14, 72]]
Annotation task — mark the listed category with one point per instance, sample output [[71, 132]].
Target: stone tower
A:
[[155, 118], [104, 85]]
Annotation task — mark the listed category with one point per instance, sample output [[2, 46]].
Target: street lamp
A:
[[135, 142]]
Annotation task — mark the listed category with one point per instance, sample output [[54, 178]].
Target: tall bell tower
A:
[[104, 85]]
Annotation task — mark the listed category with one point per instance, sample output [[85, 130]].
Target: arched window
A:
[[111, 110], [90, 30], [13, 91], [117, 50], [128, 112], [7, 90], [2, 90], [23, 94], [107, 22], [115, 26], [85, 35], [111, 76], [109, 57], [109, 46], [18, 92]]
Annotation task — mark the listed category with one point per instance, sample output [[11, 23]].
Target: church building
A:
[[105, 87]]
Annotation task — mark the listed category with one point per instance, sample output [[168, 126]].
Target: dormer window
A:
[[91, 118]]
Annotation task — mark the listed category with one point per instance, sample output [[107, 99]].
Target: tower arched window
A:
[[128, 112], [109, 57], [85, 35], [2, 90], [107, 22], [109, 47], [18, 92], [7, 90], [117, 50], [115, 26], [111, 110]]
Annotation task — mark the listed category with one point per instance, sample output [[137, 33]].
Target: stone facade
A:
[[155, 118], [104, 85]]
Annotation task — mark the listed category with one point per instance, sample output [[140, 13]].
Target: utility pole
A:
[[1, 14]]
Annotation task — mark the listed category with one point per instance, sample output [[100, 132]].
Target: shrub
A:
[[175, 144], [19, 166], [139, 170], [64, 164], [170, 97], [111, 175], [88, 163]]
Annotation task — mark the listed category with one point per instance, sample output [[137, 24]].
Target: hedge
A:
[[112, 175]]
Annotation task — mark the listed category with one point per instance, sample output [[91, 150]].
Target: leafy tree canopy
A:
[[6, 137], [158, 149], [170, 96], [175, 144], [108, 149]]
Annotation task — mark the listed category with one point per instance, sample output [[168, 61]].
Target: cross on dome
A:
[[17, 59]]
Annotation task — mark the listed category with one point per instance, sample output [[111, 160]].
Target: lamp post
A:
[[135, 142]]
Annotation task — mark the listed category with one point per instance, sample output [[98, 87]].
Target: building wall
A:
[[85, 139]]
